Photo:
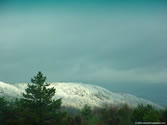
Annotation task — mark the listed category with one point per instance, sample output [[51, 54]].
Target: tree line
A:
[[37, 107]]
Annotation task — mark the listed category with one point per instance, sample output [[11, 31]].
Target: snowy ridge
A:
[[9, 90], [78, 94]]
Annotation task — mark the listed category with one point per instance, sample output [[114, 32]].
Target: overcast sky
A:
[[121, 46]]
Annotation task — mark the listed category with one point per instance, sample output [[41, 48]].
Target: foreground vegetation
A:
[[38, 108]]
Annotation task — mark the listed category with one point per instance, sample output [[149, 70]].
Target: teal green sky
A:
[[118, 45]]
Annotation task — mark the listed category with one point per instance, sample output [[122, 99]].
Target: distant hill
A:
[[76, 95]]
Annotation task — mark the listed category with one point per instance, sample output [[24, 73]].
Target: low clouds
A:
[[103, 45]]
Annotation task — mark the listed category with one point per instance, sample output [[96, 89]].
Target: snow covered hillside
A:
[[77, 95]]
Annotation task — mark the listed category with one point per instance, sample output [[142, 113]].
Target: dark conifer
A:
[[38, 98]]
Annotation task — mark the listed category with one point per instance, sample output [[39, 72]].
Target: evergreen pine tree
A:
[[37, 100]]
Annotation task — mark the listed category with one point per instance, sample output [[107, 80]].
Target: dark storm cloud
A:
[[94, 43]]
